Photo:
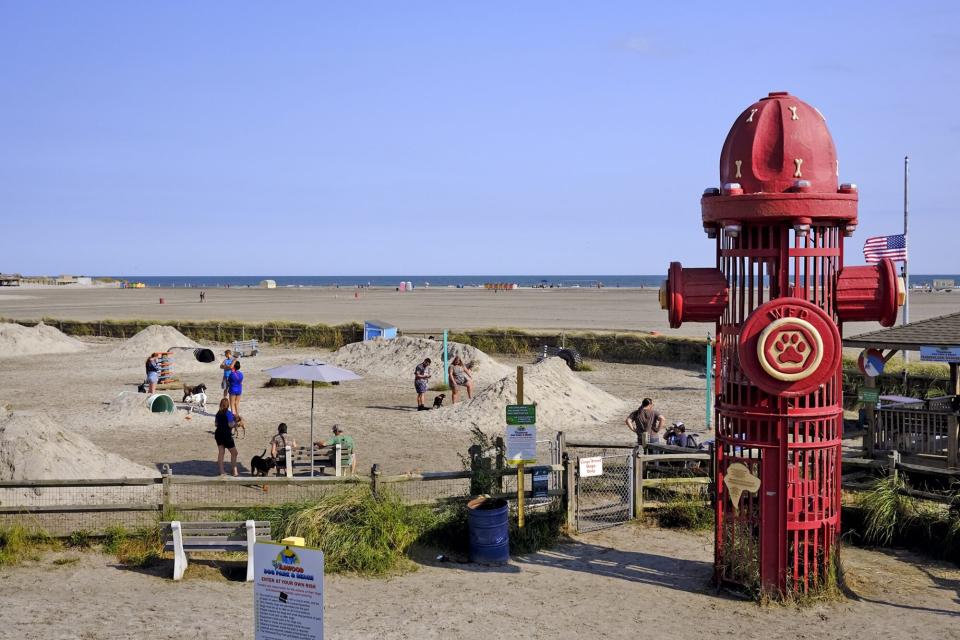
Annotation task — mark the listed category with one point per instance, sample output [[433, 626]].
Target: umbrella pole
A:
[[313, 391]]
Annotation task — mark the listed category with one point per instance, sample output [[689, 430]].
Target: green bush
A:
[[18, 544]]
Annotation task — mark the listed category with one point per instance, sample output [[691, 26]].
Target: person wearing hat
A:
[[345, 442]]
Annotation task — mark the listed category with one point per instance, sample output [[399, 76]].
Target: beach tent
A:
[[312, 371], [268, 284]]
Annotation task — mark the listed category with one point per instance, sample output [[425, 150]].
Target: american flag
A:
[[880, 247]]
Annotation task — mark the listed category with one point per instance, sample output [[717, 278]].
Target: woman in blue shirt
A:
[[235, 385], [223, 434]]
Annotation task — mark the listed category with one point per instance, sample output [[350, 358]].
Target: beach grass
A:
[[17, 543]]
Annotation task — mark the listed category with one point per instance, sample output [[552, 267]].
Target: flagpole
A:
[[906, 246]]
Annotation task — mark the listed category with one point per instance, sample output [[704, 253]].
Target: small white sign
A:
[[287, 592], [590, 467], [940, 354], [521, 444]]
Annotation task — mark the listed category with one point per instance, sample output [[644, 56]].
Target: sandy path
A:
[[627, 582], [420, 310]]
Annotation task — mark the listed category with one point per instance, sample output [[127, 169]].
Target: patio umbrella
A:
[[312, 371]]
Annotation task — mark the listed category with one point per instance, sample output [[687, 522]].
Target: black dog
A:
[[189, 392], [438, 401], [141, 388], [260, 465]]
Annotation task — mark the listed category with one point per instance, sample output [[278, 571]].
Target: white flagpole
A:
[[906, 245]]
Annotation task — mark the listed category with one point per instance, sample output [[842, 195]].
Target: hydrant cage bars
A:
[[778, 296]]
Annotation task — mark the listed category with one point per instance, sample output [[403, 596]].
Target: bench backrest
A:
[[301, 455], [216, 533]]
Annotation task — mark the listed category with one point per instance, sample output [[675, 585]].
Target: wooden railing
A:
[[916, 430]]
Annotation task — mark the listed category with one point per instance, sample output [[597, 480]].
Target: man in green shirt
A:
[[346, 443]]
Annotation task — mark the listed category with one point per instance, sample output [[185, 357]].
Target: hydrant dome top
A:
[[780, 144]]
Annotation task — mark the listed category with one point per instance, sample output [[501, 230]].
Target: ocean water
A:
[[634, 281]]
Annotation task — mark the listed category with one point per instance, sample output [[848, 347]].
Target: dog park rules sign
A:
[[521, 434], [287, 592]]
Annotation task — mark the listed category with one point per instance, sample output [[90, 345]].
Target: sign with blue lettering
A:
[[541, 480], [287, 592]]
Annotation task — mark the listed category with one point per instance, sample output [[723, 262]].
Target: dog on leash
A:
[[195, 396], [261, 464], [239, 429], [438, 401]]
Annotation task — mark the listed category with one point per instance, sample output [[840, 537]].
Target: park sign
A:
[[287, 592], [868, 395], [521, 434], [521, 414], [940, 354]]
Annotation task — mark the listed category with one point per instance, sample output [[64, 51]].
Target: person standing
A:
[[153, 372], [421, 379], [646, 422], [459, 376], [225, 420], [235, 386], [227, 366]]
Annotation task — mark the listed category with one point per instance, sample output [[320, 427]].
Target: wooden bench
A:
[[335, 457], [181, 537]]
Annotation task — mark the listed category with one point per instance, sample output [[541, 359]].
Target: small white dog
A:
[[196, 397]]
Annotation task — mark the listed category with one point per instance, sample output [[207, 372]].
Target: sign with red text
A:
[[287, 592]]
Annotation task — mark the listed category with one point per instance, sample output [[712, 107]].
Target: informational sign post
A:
[[591, 467], [521, 440], [540, 483], [940, 354], [287, 592], [868, 395]]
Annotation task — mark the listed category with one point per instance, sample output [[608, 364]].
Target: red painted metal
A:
[[694, 295], [779, 220], [870, 292]]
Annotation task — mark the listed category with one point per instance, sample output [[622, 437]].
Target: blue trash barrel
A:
[[489, 533]]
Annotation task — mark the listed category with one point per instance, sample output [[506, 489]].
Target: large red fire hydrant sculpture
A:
[[779, 295]]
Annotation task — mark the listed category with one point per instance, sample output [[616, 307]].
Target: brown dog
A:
[[239, 428]]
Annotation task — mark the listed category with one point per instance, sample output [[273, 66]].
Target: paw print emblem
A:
[[790, 349]]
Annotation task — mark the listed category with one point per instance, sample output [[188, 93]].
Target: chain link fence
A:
[[606, 499]]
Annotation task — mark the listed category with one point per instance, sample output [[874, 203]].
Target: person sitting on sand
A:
[[646, 422], [235, 384], [421, 379], [345, 442], [278, 448], [460, 377], [153, 372], [223, 435]]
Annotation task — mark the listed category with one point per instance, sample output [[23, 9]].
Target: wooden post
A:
[[165, 490], [952, 440], [894, 461], [374, 477], [500, 462], [638, 483], [870, 432], [569, 481]]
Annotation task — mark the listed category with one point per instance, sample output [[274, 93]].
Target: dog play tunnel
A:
[[160, 403], [201, 355]]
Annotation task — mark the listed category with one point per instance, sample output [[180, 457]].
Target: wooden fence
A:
[[916, 430], [61, 507]]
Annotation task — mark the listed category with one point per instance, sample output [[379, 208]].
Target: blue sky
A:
[[413, 137]]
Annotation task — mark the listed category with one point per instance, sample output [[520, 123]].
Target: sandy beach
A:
[[424, 309], [626, 583]]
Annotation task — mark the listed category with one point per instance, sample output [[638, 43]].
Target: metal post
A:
[[709, 376], [638, 483], [313, 391], [446, 363], [906, 244], [520, 474]]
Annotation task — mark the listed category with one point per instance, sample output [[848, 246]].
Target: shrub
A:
[[17, 544], [887, 509]]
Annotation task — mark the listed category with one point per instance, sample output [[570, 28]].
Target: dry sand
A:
[[426, 310], [565, 402], [396, 359], [629, 582], [380, 412], [18, 341], [134, 351], [34, 447]]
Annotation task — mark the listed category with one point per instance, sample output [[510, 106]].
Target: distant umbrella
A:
[[312, 371]]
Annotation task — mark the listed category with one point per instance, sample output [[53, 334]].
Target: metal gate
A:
[[605, 500]]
